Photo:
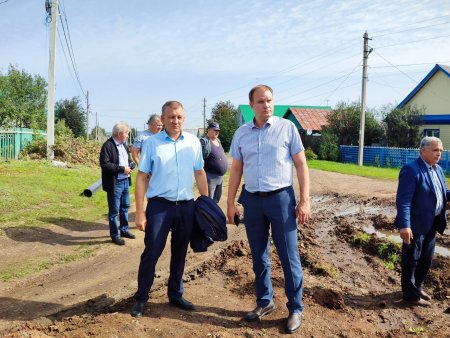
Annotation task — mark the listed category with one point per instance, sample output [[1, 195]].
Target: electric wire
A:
[[70, 49]]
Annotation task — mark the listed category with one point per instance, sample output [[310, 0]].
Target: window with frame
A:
[[431, 132]]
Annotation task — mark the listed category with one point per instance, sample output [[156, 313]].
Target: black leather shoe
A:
[[127, 234], [294, 322], [117, 240], [138, 309], [182, 303], [260, 312], [425, 295]]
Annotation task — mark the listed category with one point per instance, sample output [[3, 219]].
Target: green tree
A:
[[73, 114], [344, 121], [225, 114], [98, 134], [402, 126], [22, 99]]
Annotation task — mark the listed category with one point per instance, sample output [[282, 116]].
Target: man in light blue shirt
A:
[[169, 163], [263, 151], [154, 127]]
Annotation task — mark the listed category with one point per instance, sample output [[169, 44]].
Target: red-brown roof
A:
[[310, 118]]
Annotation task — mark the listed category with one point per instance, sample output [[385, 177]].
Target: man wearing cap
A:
[[154, 127], [216, 163]]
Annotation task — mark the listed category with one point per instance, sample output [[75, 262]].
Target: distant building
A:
[[433, 94], [309, 120]]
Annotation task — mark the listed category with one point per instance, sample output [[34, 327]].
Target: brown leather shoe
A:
[[294, 322], [260, 312], [425, 295], [420, 302]]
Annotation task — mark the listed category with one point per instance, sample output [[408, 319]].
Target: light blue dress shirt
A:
[[267, 153], [437, 188], [139, 140], [172, 164], [123, 158]]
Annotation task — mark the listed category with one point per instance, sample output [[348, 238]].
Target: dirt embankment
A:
[[348, 291]]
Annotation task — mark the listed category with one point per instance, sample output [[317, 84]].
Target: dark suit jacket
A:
[[109, 161], [416, 199]]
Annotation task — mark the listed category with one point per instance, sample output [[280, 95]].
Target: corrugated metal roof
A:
[[310, 118]]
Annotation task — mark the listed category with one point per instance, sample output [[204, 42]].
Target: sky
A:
[[132, 56]]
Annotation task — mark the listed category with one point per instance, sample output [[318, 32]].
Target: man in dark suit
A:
[[116, 180], [421, 198]]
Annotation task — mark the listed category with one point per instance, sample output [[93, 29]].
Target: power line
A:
[[70, 49], [414, 41], [411, 29], [411, 64], [409, 77], [67, 61]]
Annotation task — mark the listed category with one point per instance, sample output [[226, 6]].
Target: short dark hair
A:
[[252, 91], [172, 104]]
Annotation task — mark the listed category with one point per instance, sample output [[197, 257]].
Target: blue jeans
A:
[[416, 262], [214, 186], [118, 204], [162, 217], [275, 212]]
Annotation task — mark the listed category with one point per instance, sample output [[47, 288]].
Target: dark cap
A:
[[214, 125]]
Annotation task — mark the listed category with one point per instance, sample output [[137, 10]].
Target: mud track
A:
[[348, 291]]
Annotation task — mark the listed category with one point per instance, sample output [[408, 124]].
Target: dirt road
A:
[[348, 291]]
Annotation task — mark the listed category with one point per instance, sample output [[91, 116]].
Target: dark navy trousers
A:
[[161, 218], [416, 262], [276, 213]]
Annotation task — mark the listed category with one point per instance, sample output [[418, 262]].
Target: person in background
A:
[[422, 195], [169, 163], [154, 127], [263, 151], [116, 180], [216, 163]]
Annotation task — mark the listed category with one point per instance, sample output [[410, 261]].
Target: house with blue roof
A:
[[433, 94]]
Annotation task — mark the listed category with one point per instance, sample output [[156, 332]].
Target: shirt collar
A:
[[167, 137], [270, 121], [429, 167]]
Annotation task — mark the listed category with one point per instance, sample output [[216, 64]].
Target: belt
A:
[[267, 193], [165, 200]]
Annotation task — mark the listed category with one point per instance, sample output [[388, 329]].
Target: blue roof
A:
[[444, 69]]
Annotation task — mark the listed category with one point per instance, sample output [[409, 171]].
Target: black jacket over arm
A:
[[109, 161]]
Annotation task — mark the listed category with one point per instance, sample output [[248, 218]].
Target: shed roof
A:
[[279, 110], [442, 68], [310, 118]]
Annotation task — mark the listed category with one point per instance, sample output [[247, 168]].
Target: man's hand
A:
[[141, 221], [303, 212], [128, 170], [406, 235], [231, 212]]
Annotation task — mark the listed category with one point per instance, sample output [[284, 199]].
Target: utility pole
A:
[[366, 53], [87, 115], [204, 115], [96, 127], [51, 82]]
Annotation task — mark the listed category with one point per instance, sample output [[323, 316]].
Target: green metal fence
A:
[[12, 141]]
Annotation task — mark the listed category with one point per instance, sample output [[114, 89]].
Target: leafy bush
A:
[[328, 149], [310, 154]]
